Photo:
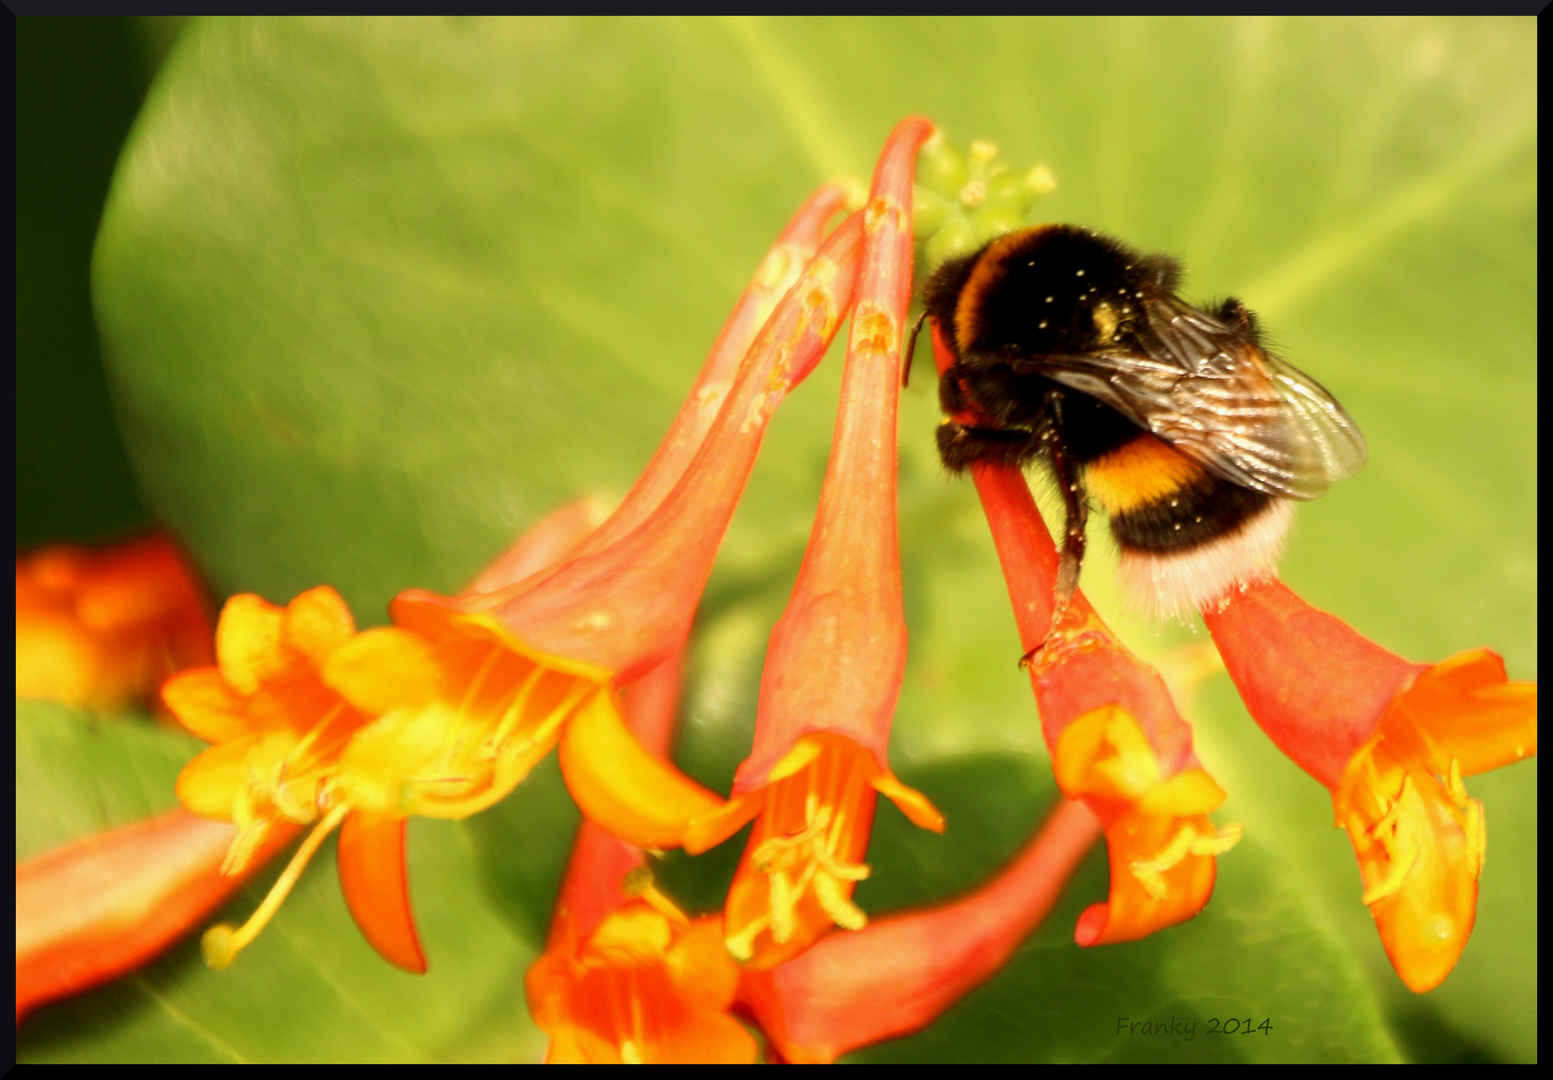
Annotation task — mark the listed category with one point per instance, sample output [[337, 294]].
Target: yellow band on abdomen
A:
[[1145, 470]]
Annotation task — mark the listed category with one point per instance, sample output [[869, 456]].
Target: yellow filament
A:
[[741, 946], [514, 713], [221, 944], [638, 882], [837, 904], [1399, 847], [306, 742]]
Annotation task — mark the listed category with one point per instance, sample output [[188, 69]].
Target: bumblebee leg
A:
[[959, 445], [1075, 503], [951, 394], [911, 350]]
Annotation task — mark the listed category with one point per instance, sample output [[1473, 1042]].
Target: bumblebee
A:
[[1194, 439]]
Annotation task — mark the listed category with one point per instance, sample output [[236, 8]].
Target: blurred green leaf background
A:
[[375, 295]]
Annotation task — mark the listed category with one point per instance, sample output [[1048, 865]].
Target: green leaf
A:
[[377, 294]]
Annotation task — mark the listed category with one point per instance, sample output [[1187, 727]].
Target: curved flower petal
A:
[[382, 670], [204, 703], [208, 785], [317, 623], [248, 642], [377, 887], [1159, 839], [1471, 713], [624, 789]]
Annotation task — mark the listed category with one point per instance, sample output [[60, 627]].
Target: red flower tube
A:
[[93, 910], [1116, 738], [610, 613], [836, 659], [1391, 740], [898, 974]]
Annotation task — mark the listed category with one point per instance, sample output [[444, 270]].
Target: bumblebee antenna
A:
[[911, 350]]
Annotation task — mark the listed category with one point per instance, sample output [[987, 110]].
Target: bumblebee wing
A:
[[1222, 400]]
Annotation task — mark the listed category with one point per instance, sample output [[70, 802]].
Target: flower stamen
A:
[[221, 943]]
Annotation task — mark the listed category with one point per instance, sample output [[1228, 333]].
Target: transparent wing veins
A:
[[1222, 400]]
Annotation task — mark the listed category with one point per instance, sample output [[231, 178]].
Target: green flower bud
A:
[[963, 202], [929, 211], [995, 219], [940, 168], [956, 238]]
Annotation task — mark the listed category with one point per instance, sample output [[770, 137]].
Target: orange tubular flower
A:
[[903, 970], [292, 686], [837, 656], [626, 977], [102, 629], [446, 713], [1391, 740], [102, 906], [1116, 739], [617, 607]]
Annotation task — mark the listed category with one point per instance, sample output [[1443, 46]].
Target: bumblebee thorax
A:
[[1051, 289]]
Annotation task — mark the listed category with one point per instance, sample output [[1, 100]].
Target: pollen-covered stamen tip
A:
[[811, 853]]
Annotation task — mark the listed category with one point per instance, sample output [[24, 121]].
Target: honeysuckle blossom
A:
[[100, 629], [834, 666], [626, 977], [292, 686], [97, 908], [1391, 740], [1116, 738], [443, 714], [898, 974]]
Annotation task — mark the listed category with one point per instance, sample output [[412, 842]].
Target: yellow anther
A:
[[1476, 830], [1219, 842], [741, 946], [837, 904]]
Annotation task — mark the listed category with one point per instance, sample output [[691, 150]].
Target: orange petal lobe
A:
[[377, 888], [1159, 840], [1471, 712]]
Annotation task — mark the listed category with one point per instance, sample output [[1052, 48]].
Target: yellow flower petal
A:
[[317, 623], [383, 670], [208, 785], [248, 642], [623, 788], [203, 703]]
